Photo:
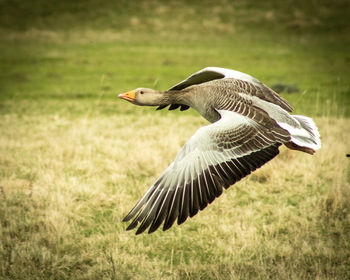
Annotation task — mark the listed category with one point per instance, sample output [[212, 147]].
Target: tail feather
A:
[[306, 137], [309, 125]]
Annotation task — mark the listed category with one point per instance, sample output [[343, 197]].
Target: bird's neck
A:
[[174, 97]]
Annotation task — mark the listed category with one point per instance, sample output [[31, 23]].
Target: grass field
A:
[[74, 159]]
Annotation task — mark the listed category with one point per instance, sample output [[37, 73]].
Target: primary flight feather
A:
[[249, 121]]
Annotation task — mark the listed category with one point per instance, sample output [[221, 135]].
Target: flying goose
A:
[[249, 121]]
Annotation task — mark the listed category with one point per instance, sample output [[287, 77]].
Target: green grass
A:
[[74, 159]]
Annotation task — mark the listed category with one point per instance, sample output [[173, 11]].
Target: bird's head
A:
[[143, 97]]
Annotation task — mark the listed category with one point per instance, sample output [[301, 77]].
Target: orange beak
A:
[[129, 96]]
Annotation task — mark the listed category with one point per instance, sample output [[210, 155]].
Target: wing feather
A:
[[194, 200], [213, 73], [235, 80], [215, 157], [184, 203], [173, 209], [162, 211]]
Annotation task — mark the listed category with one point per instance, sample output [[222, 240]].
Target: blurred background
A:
[[74, 159], [57, 49]]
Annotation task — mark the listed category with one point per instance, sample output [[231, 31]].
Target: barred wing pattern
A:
[[216, 156], [244, 84]]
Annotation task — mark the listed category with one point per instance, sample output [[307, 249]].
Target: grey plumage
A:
[[249, 123]]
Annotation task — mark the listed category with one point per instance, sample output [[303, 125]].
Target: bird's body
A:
[[249, 123]]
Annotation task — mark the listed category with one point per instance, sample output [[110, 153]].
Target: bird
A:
[[248, 123]]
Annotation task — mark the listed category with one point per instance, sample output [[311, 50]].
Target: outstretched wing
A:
[[244, 82], [216, 156], [205, 75]]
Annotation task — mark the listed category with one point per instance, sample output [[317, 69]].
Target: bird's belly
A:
[[209, 113]]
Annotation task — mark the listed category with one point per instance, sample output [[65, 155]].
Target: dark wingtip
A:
[[173, 107], [195, 211], [140, 230], [125, 219], [161, 107], [184, 107], [169, 222], [181, 219], [132, 225], [152, 229]]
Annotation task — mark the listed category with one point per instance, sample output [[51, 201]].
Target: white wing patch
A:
[[202, 145]]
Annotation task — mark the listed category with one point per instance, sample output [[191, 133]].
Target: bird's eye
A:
[[141, 92]]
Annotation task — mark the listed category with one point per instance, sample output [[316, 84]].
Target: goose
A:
[[248, 124]]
